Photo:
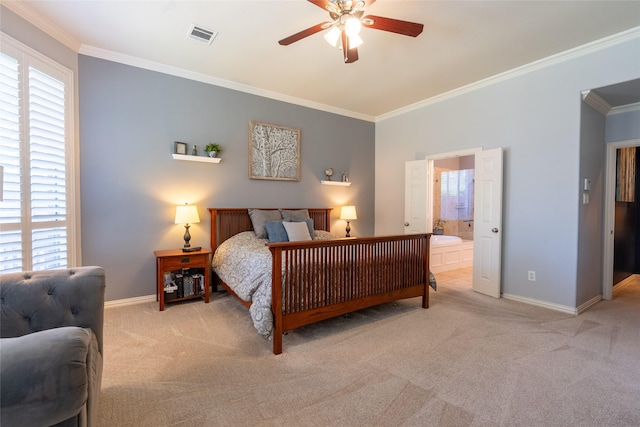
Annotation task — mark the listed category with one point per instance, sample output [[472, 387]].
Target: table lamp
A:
[[187, 214], [348, 213]]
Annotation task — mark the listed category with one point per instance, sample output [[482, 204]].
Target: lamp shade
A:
[[348, 213], [187, 214], [355, 41], [332, 36]]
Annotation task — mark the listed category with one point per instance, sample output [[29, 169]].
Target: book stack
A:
[[187, 283]]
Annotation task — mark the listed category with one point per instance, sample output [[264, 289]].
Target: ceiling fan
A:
[[346, 22]]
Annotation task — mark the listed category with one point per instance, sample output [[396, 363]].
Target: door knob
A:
[[494, 230], [406, 224]]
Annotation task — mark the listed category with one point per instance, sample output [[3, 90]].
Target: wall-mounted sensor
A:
[[586, 186]]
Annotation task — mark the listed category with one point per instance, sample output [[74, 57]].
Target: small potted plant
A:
[[438, 226], [213, 149]]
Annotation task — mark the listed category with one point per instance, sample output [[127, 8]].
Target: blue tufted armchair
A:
[[51, 347]]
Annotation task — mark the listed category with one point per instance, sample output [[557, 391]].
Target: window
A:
[[37, 228], [456, 194]]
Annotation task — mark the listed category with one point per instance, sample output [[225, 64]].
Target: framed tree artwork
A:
[[274, 152]]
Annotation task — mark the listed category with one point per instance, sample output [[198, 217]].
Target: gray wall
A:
[[623, 126], [591, 215], [129, 119], [535, 117]]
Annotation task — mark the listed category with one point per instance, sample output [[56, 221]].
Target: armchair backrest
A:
[[38, 300]]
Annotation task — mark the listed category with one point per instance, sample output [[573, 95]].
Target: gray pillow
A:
[[294, 215], [276, 232], [259, 217]]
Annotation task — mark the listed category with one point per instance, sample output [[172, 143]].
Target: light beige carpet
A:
[[469, 360]]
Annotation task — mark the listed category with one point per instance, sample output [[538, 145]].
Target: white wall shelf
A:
[[196, 158], [340, 183]]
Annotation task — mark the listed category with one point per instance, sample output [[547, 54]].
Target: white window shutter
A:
[[34, 211]]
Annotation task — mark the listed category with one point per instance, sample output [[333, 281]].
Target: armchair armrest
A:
[[48, 376]]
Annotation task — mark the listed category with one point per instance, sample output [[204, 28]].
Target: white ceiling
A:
[[463, 42]]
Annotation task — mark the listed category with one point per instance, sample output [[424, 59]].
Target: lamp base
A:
[[194, 249]]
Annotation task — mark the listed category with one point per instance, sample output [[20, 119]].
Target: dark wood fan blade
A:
[[350, 55], [304, 33], [393, 25]]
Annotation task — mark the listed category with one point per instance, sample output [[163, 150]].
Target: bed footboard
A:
[[317, 280]]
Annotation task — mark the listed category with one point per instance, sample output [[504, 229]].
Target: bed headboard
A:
[[227, 222]]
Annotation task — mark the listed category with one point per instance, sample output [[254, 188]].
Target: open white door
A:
[[487, 236], [416, 209]]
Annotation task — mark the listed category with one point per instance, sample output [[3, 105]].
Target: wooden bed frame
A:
[[328, 278]]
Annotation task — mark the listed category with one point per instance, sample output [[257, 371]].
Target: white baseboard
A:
[[540, 303], [130, 301], [589, 303], [135, 300]]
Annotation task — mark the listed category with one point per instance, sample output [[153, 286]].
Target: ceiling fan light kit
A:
[[346, 22], [332, 36], [352, 26]]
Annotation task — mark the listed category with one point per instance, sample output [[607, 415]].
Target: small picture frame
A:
[[180, 147]]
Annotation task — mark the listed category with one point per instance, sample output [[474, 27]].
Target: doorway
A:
[[487, 211], [452, 186], [622, 211]]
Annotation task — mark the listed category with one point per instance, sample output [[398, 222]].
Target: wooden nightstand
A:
[[189, 271]]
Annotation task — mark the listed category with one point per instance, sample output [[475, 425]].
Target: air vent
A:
[[201, 34]]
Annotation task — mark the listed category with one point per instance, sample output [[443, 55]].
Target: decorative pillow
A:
[[276, 232], [309, 222], [259, 217], [297, 215], [297, 231]]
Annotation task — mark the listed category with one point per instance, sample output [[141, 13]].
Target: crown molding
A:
[[27, 13], [596, 101], [631, 34], [191, 75], [602, 106], [625, 108]]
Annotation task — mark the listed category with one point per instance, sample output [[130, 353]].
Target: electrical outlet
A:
[[532, 276]]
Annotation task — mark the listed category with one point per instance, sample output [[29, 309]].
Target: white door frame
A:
[[452, 154], [485, 280], [609, 214]]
